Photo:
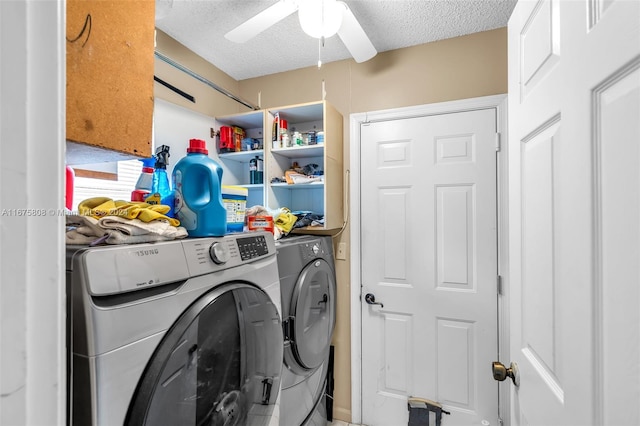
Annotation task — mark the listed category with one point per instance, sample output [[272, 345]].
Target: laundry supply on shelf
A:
[[251, 144], [231, 139], [226, 142], [256, 173]]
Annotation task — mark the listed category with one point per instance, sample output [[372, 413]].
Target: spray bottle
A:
[[160, 189], [145, 181]]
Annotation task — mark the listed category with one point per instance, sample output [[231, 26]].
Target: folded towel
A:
[[99, 207], [74, 237], [136, 227], [118, 230]]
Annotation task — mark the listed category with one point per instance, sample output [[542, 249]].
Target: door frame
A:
[[355, 121]]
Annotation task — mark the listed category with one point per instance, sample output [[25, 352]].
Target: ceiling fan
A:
[[318, 18]]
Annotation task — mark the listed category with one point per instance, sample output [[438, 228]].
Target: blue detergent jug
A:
[[197, 181]]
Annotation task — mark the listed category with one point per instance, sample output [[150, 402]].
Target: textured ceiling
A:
[[390, 24]]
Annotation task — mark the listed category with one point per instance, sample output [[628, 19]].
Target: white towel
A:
[[119, 230], [136, 227]]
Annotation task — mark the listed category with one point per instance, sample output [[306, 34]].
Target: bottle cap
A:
[[198, 146], [148, 162], [139, 195]]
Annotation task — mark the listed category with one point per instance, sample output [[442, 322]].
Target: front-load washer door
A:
[[219, 364], [312, 317]]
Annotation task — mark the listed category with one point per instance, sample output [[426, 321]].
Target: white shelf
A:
[[297, 186], [241, 156], [247, 120], [300, 151], [301, 113]]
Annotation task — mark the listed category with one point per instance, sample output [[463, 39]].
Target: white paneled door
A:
[[574, 211], [429, 258]]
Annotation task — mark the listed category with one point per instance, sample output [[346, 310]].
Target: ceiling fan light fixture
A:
[[320, 18]]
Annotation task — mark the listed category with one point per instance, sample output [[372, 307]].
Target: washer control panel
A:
[[206, 255], [219, 253], [252, 247]]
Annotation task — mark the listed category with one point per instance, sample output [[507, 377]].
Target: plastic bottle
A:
[[160, 184], [197, 181], [68, 193], [145, 181], [255, 170]]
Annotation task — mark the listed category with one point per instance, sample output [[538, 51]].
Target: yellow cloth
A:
[[99, 207], [285, 220]]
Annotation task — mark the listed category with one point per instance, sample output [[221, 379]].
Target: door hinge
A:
[[500, 421], [498, 142], [499, 285]]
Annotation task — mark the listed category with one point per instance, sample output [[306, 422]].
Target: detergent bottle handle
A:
[[219, 172], [215, 188], [212, 186]]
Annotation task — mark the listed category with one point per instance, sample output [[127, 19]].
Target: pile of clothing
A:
[[102, 220]]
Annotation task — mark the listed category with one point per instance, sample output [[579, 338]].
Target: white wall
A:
[[32, 308]]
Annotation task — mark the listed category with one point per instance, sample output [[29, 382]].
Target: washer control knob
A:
[[315, 249], [219, 253]]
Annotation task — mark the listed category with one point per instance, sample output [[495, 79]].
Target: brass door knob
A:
[[500, 372]]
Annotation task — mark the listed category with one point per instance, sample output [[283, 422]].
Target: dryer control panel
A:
[[313, 250]]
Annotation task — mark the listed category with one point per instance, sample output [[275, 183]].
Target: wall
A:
[[459, 68], [32, 291], [207, 100]]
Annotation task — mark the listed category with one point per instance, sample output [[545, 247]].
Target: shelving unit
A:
[[322, 198], [236, 164]]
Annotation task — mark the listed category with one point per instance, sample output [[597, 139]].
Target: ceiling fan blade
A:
[[262, 21], [354, 37]]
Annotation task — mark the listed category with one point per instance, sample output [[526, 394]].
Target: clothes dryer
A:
[[183, 332], [308, 289]]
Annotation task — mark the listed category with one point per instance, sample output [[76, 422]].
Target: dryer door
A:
[[314, 314], [219, 364]]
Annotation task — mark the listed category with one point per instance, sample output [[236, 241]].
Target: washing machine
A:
[[175, 333], [308, 289]]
